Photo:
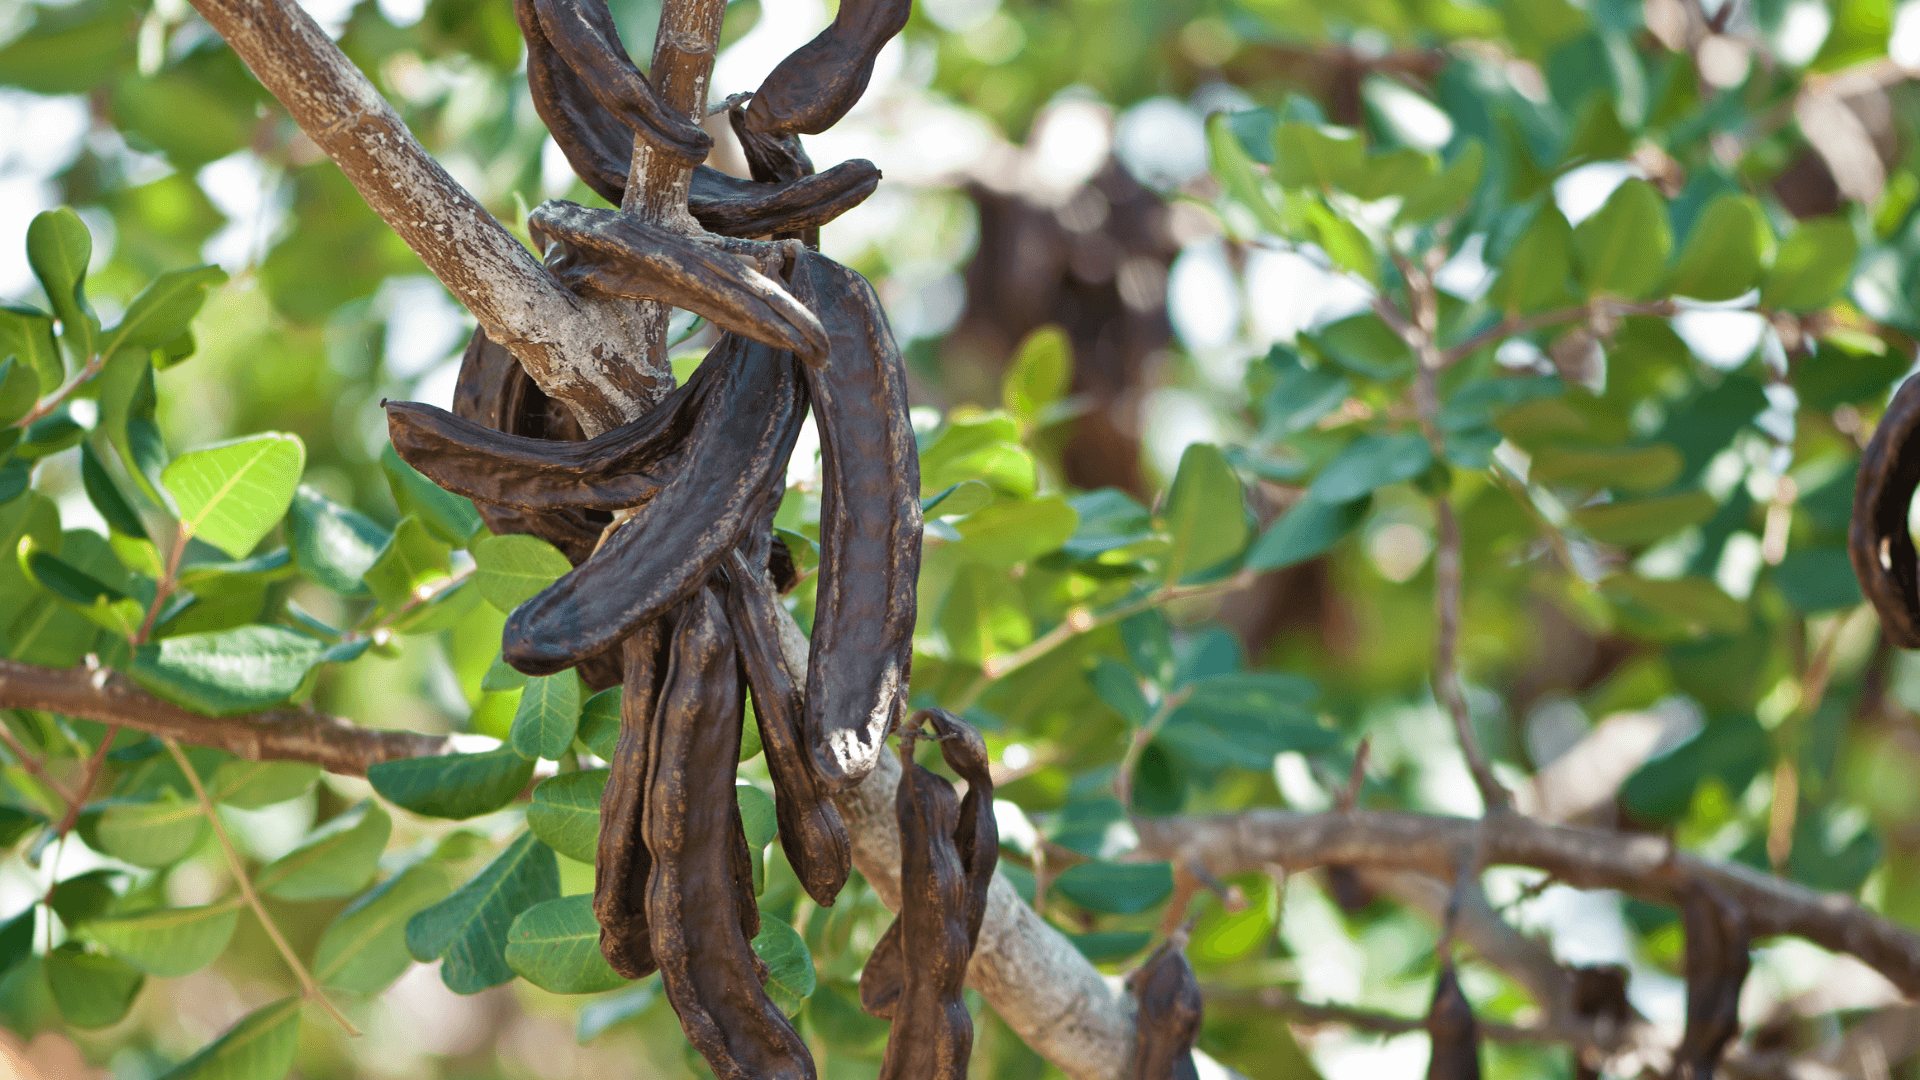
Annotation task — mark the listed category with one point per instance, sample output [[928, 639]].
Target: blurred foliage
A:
[[1653, 319]]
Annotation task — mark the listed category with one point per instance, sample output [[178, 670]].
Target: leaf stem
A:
[[1123, 776], [163, 589], [239, 869], [54, 400]]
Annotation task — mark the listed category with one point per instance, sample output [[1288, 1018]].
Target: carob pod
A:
[[774, 159], [608, 254], [738, 447], [1452, 1029], [1168, 1020], [581, 36], [869, 527], [811, 832], [817, 83], [620, 468], [932, 1034], [1717, 967], [731, 206], [1877, 539], [621, 865], [976, 838], [691, 826]]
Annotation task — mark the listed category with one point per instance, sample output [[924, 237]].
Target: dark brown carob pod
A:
[[609, 254], [1168, 1019], [869, 527], [1452, 1029], [1877, 539], [811, 89], [621, 864], [771, 158], [583, 35], [811, 832], [691, 827], [599, 147], [731, 206], [1717, 967], [739, 447]]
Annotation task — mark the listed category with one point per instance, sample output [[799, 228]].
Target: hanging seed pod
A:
[[1451, 1027], [621, 864], [738, 447], [813, 88], [1717, 967], [870, 528], [579, 37], [1168, 1020], [811, 832], [731, 206], [609, 254], [1877, 540], [691, 827], [771, 158]]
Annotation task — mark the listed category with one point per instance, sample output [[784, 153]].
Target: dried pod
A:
[[731, 206], [690, 823], [579, 37], [1878, 540], [1168, 1020], [606, 253], [621, 468], [813, 88], [771, 158], [811, 832], [1717, 966], [976, 840], [738, 448], [1451, 1027], [869, 527], [621, 864]]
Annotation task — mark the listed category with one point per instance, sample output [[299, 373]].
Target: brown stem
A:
[[1446, 654], [87, 779]]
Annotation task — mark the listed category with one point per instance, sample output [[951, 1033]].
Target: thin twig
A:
[[87, 779], [33, 766], [239, 870], [169, 579], [52, 401]]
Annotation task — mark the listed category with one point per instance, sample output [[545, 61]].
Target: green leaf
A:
[[58, 248], [451, 517], [153, 834], [19, 388], [16, 938], [983, 614], [1038, 376], [958, 500], [413, 557], [1725, 253], [1644, 520], [251, 785], [333, 545], [226, 672], [1624, 247], [468, 930], [512, 569], [168, 942], [1817, 579], [556, 947], [1119, 687], [1016, 531], [1205, 515], [101, 603], [337, 859], [500, 676], [1629, 468], [49, 435], [1341, 239], [365, 947], [15, 478], [1231, 165], [1306, 531], [1110, 946], [260, 1047], [1446, 193], [1368, 463], [600, 723], [457, 786], [84, 897], [565, 813], [601, 1013], [790, 975], [984, 447], [231, 494], [1694, 605], [1813, 266], [1116, 888], [835, 1017], [92, 990], [27, 334], [1535, 274], [1301, 396], [548, 715], [1112, 528], [756, 815], [106, 497], [164, 309], [16, 823], [1732, 749], [1319, 158]]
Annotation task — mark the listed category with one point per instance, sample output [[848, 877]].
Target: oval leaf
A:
[[556, 947], [245, 669], [168, 942], [565, 813], [338, 859], [231, 494], [457, 786]]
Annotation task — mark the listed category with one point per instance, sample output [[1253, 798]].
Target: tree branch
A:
[[589, 354], [1646, 867], [330, 742]]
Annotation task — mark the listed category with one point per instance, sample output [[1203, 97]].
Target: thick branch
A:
[[1643, 866], [334, 744], [585, 353]]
